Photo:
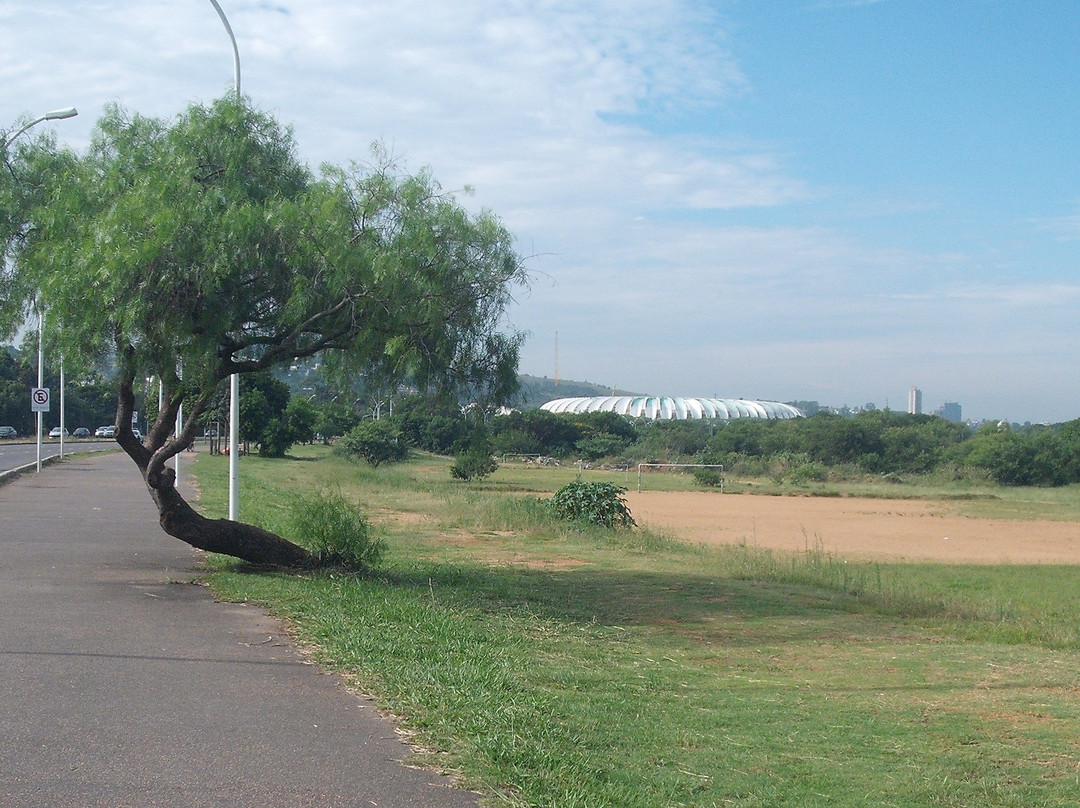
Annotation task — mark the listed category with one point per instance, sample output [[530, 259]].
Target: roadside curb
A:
[[8, 475], [11, 474]]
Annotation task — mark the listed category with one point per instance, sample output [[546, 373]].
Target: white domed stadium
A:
[[675, 409]]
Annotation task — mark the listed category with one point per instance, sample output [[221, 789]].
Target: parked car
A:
[[108, 431], [56, 432], [136, 433], [8, 432], [82, 432]]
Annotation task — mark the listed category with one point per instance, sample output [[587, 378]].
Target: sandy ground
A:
[[883, 529]]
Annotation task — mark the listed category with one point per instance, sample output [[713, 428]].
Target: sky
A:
[[830, 200]]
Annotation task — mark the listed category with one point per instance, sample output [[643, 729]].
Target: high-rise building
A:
[[914, 401], [950, 411]]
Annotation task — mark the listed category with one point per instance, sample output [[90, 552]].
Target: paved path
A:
[[121, 685]]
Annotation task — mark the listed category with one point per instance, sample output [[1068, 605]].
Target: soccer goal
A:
[[678, 466]]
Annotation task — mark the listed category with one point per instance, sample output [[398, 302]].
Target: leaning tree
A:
[[200, 247]]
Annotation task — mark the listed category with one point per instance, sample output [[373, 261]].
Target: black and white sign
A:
[[39, 399]]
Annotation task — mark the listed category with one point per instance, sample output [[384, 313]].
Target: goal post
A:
[[642, 466]]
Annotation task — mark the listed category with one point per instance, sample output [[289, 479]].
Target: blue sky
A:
[[810, 199]]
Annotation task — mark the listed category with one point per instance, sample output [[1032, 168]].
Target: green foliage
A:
[[1012, 458], [433, 423], [205, 243], [671, 441], [374, 441], [599, 504], [709, 478], [302, 416], [264, 402], [603, 445], [276, 438], [534, 432], [335, 419], [89, 399], [799, 470], [334, 530], [474, 465]]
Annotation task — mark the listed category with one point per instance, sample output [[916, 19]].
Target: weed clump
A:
[[593, 503], [335, 530]]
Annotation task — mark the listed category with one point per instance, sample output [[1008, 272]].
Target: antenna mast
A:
[[556, 358]]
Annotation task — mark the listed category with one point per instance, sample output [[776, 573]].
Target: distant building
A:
[[950, 411], [914, 401], [675, 409]]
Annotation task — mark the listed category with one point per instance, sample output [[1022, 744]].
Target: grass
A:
[[551, 667]]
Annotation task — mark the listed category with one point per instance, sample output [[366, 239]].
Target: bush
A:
[[595, 503], [276, 439], [474, 465], [710, 478], [374, 441], [334, 530], [598, 446]]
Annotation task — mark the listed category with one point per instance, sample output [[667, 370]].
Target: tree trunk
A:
[[246, 542], [177, 518]]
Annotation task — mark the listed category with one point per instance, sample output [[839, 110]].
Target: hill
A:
[[536, 390]]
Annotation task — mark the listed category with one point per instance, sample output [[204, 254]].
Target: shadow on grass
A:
[[706, 608]]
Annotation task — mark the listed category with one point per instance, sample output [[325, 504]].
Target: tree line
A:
[[89, 400], [879, 442]]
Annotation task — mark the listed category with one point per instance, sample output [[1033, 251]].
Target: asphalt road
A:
[[123, 684], [15, 455]]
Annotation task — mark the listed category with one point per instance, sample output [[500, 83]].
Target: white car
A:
[[55, 432], [107, 431]]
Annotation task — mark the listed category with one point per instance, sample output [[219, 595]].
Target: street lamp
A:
[[54, 115], [235, 50], [234, 379]]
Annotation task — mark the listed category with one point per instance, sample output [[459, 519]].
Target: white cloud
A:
[[671, 259]]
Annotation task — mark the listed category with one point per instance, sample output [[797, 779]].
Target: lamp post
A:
[[53, 115], [40, 375], [234, 379], [235, 50]]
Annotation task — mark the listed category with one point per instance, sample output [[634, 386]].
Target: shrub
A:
[[710, 478], [374, 441], [334, 530], [595, 503], [276, 439], [597, 446], [474, 465]]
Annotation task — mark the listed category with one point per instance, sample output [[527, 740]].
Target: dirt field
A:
[[882, 529]]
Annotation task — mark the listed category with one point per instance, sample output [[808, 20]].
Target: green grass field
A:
[[553, 667]]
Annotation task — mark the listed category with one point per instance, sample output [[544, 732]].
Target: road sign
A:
[[39, 399]]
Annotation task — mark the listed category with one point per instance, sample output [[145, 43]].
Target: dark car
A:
[[82, 432], [8, 432]]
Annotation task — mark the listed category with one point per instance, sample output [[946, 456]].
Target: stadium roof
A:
[[675, 409]]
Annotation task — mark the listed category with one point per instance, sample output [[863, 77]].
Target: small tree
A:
[[301, 416], [207, 245], [374, 441]]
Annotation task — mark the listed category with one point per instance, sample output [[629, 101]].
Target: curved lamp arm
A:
[[55, 115]]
